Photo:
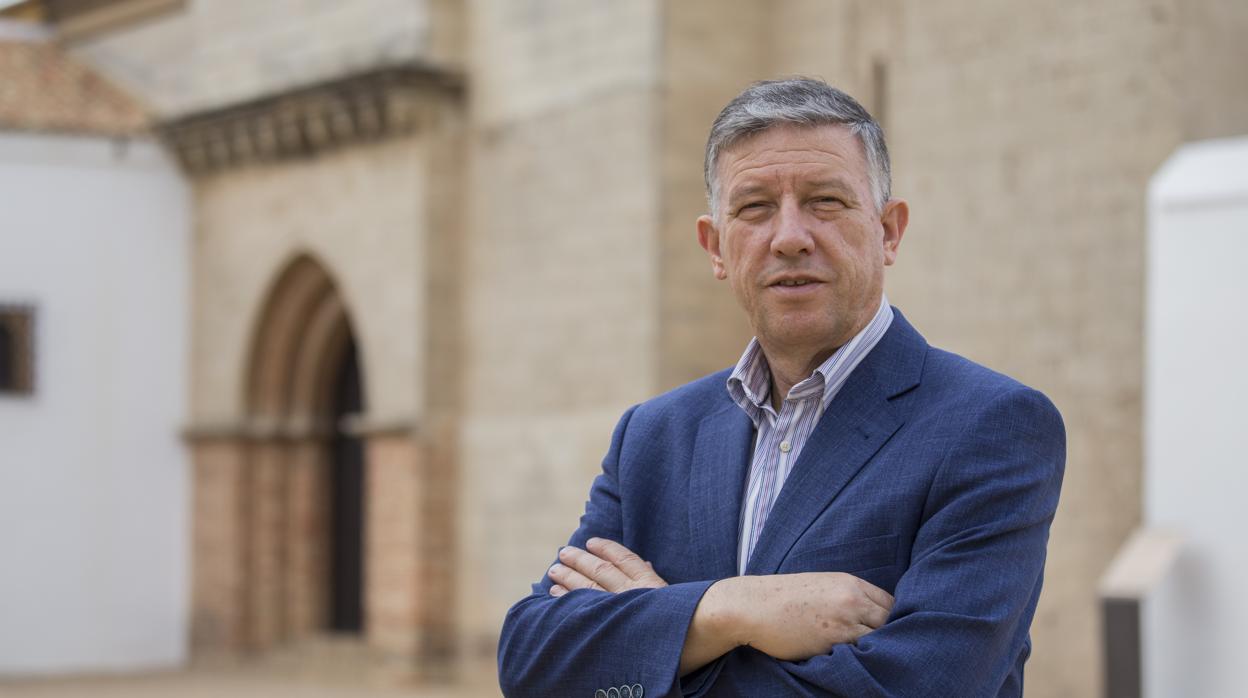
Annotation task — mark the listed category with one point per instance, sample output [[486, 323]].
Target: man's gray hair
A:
[[801, 101]]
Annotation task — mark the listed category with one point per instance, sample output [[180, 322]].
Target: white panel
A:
[[1196, 423]]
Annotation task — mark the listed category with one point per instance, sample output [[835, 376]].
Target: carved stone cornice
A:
[[371, 105]]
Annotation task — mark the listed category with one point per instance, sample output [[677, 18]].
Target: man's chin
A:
[[800, 334]]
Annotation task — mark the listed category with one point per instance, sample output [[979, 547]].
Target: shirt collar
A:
[[749, 384]]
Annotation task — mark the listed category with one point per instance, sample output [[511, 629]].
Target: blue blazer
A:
[[928, 475]]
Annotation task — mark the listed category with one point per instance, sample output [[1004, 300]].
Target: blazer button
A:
[[600, 693], [613, 692], [637, 691]]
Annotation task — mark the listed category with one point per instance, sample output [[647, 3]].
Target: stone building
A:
[[439, 246]]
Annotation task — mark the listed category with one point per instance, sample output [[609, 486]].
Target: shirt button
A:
[[785, 446]]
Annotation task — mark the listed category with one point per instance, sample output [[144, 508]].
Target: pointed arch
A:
[[293, 502], [310, 516], [301, 336]]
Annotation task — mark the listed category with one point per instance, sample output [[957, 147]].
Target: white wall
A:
[[1196, 420], [94, 521]]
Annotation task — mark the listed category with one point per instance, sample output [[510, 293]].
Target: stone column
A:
[[438, 550], [266, 517], [218, 608], [307, 538], [409, 545], [391, 525]]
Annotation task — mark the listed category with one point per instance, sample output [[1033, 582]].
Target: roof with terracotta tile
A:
[[44, 89]]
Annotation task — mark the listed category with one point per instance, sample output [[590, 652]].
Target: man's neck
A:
[[790, 368], [790, 365], [793, 364]]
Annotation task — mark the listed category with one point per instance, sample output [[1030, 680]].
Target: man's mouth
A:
[[794, 281]]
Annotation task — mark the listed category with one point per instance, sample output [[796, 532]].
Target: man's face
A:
[[798, 237]]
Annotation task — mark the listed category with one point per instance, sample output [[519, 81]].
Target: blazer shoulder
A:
[[689, 402], [958, 378]]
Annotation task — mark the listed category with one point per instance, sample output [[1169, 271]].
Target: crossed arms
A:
[[957, 626], [786, 616]]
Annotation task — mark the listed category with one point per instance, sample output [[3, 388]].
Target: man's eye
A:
[[752, 205]]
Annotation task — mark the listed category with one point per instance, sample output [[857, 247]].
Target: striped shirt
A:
[[779, 438]]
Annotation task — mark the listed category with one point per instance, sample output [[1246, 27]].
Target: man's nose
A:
[[792, 234]]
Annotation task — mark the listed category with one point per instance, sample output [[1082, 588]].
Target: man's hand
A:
[[605, 565], [788, 616], [797, 616]]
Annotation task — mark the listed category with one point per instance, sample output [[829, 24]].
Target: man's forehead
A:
[[815, 147], [764, 182], [834, 139]]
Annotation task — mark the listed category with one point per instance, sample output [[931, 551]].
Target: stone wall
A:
[[361, 213], [1024, 137], [1024, 253], [560, 300], [210, 54], [710, 51]]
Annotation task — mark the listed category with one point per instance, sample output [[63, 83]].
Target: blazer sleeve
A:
[[960, 621], [588, 640]]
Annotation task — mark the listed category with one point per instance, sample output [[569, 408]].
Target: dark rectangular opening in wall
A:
[[1120, 628], [17, 349], [347, 487]]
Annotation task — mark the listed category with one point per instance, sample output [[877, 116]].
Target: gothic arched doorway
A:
[[303, 489], [281, 497], [311, 514]]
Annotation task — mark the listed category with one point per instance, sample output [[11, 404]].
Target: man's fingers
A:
[[624, 559], [879, 604], [614, 569], [570, 579], [558, 590], [874, 616], [598, 571], [882, 598]]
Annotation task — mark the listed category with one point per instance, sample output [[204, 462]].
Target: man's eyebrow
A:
[[745, 190], [837, 183], [832, 183]]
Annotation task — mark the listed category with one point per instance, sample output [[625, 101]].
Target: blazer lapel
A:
[[855, 426], [721, 458]]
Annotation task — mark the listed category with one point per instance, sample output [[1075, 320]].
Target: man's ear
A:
[[894, 219], [708, 238]]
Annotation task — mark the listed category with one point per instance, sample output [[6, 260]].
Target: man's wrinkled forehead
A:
[[792, 144]]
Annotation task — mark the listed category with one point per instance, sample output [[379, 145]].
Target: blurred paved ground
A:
[[233, 683], [319, 667]]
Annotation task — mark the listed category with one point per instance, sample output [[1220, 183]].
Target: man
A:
[[848, 511]]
